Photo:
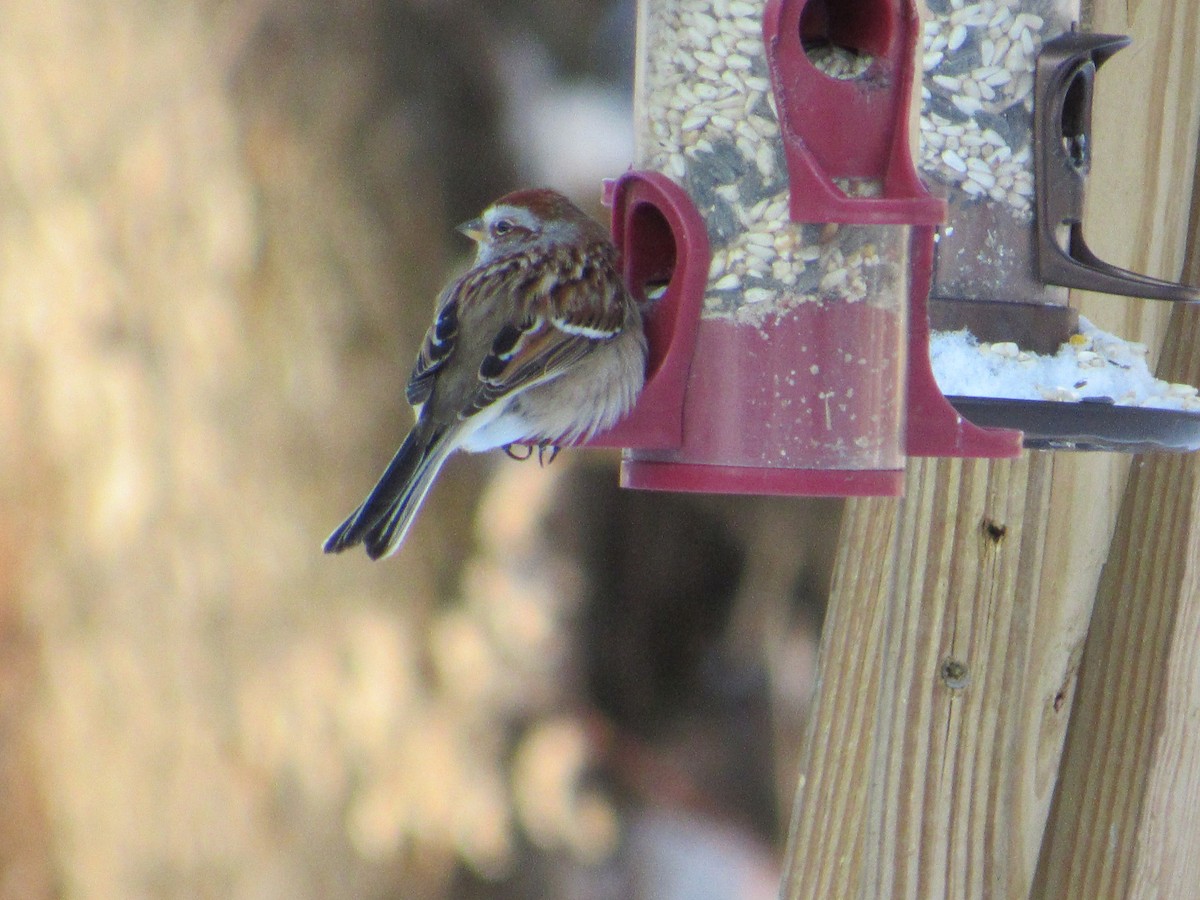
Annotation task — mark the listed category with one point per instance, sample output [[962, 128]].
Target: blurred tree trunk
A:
[[222, 229], [219, 242]]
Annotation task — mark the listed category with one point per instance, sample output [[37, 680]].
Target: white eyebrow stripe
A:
[[518, 216], [586, 331]]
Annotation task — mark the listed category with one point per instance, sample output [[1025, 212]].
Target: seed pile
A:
[[707, 118], [838, 62], [977, 95], [1092, 365]]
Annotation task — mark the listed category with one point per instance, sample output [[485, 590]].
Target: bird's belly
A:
[[590, 397], [496, 427]]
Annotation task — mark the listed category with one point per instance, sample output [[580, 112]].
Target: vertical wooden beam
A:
[[830, 812], [1126, 820], [949, 659], [943, 698], [1126, 815], [958, 641]]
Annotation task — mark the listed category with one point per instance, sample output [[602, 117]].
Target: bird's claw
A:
[[513, 454], [547, 451]]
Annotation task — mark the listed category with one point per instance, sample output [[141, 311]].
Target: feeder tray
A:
[[1086, 424]]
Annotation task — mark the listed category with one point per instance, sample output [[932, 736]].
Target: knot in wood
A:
[[954, 673]]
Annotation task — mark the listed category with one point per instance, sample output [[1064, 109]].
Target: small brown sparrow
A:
[[539, 343]]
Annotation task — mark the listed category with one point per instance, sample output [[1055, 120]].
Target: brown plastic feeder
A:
[[1020, 294], [1016, 288]]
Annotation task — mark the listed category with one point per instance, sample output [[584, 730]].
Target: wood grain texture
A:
[[942, 702], [1144, 124], [958, 643], [1126, 818], [912, 786], [825, 843]]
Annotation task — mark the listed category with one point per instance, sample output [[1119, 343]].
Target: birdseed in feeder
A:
[[976, 142], [707, 118], [977, 95]]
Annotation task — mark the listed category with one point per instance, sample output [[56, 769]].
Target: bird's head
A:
[[529, 220]]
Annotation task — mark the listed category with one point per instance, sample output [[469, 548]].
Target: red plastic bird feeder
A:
[[775, 195]]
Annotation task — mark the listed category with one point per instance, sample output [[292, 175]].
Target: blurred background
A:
[[222, 229]]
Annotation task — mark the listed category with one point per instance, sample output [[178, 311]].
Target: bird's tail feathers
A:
[[384, 518]]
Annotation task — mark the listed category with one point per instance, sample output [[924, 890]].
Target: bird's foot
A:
[[517, 454]]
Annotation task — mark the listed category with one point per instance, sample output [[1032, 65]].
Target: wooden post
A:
[[1126, 816], [958, 616]]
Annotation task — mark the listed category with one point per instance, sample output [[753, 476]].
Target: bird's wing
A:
[[435, 350], [569, 312]]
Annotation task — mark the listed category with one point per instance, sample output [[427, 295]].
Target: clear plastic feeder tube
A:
[[976, 142], [800, 355]]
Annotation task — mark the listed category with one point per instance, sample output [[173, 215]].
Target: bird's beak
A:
[[473, 229]]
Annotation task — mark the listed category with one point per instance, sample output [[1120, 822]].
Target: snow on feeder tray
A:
[[776, 196], [1006, 139], [1095, 392]]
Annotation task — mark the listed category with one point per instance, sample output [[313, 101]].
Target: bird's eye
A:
[[502, 227]]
